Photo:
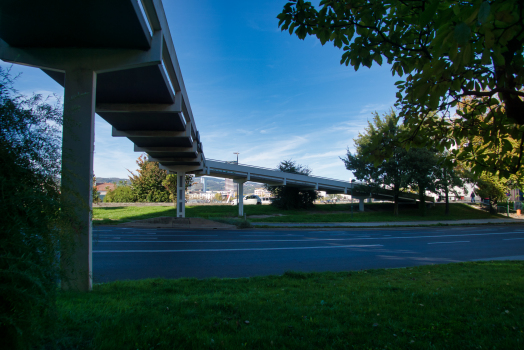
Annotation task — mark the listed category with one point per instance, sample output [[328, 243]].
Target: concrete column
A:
[[77, 174], [181, 194], [240, 199], [361, 204], [370, 200]]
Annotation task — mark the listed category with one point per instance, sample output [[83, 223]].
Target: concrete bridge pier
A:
[[77, 173], [240, 183], [361, 204], [181, 194]]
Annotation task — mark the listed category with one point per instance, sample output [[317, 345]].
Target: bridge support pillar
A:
[[240, 196], [181, 194], [77, 174], [361, 204]]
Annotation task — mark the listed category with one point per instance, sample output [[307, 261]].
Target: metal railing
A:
[[277, 170]]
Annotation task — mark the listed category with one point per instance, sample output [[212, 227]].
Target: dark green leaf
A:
[[462, 33]]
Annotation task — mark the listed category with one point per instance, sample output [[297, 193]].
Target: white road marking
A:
[[449, 242], [235, 250], [131, 236], [270, 235], [321, 239]]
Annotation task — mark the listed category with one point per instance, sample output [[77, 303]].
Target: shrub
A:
[[32, 223], [121, 194]]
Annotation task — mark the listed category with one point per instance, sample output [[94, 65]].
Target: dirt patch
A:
[[181, 223], [264, 216]]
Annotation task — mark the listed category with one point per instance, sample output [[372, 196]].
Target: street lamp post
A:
[[352, 182], [238, 185]]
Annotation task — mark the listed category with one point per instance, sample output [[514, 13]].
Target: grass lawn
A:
[[475, 305], [378, 212]]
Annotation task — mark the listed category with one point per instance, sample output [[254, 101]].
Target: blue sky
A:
[[255, 90]]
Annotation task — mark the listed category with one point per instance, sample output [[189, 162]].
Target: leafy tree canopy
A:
[[391, 172], [449, 50], [288, 197], [147, 183]]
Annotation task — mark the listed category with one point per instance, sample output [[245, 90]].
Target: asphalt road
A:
[[129, 253]]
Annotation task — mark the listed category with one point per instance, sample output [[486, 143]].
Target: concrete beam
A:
[[98, 60], [153, 133], [143, 107], [167, 149]]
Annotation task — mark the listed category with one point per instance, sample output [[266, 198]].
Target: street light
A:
[[238, 185], [352, 182]]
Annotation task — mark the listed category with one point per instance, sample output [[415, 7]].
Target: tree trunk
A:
[[395, 206], [446, 191], [422, 201]]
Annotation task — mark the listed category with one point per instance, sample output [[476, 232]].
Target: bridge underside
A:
[[116, 58]]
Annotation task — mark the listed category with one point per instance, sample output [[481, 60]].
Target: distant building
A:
[[104, 187], [262, 192], [231, 187]]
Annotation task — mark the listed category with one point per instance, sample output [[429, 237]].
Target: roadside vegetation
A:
[[379, 212], [471, 305]]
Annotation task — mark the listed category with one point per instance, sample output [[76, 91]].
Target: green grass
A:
[[476, 305], [375, 212]]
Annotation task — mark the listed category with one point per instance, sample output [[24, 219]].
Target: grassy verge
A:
[[381, 213], [375, 212], [456, 306]]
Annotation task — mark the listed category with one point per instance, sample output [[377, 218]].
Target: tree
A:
[[392, 171], [147, 183], [218, 197], [288, 197], [447, 179], [492, 187], [423, 165], [170, 184], [447, 49], [35, 223]]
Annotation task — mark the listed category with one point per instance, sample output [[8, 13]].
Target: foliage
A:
[[448, 50], [423, 166], [147, 183], [152, 184], [287, 197], [33, 225], [395, 172], [170, 184], [218, 197], [447, 179], [491, 187], [123, 193]]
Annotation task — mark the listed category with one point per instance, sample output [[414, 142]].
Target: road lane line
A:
[[320, 239], [449, 242], [236, 249], [271, 235]]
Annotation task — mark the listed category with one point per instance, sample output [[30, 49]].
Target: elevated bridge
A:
[[116, 58]]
